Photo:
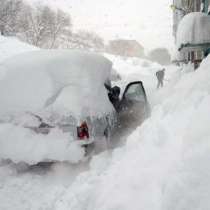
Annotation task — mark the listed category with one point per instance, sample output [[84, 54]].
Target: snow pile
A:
[[59, 80], [165, 163], [23, 145], [58, 85], [194, 28], [10, 46]]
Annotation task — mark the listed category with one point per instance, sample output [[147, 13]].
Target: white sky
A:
[[149, 22]]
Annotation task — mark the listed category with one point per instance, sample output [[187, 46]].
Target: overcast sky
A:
[[150, 22]]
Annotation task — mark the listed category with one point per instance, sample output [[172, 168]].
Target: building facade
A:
[[124, 47]]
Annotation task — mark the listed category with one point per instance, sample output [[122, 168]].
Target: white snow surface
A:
[[10, 46], [164, 164], [194, 28], [64, 81], [74, 83], [22, 145]]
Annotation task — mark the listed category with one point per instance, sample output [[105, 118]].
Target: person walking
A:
[[160, 77]]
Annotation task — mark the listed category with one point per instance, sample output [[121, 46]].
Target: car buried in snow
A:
[[69, 90]]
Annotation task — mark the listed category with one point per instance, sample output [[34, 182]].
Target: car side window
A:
[[135, 92]]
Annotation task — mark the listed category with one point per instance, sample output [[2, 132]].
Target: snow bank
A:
[[10, 46], [194, 28], [165, 163], [59, 85], [23, 145], [67, 80]]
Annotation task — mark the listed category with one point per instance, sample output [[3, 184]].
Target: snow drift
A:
[[64, 81], [165, 163], [11, 46], [59, 85], [22, 145]]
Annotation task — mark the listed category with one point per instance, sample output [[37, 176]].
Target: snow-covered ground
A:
[[163, 165]]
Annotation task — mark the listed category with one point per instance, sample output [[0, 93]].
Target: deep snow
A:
[[164, 164], [10, 46], [23, 145], [33, 79], [30, 84]]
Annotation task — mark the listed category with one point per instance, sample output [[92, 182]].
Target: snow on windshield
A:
[[68, 80], [194, 28]]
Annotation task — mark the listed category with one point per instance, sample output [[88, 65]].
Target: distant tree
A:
[[60, 24], [9, 10], [84, 40], [89, 40], [160, 55], [43, 26]]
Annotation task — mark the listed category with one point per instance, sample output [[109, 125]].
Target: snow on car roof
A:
[[67, 81]]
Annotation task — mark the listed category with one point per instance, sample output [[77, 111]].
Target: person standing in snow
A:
[[160, 77], [114, 93]]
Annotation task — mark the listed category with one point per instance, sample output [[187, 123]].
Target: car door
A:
[[133, 105]]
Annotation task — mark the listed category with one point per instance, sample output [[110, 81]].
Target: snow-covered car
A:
[[67, 90]]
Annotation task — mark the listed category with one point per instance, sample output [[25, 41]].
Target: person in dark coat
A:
[[160, 77], [114, 96]]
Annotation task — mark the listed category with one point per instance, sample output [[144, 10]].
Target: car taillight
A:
[[82, 131]]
